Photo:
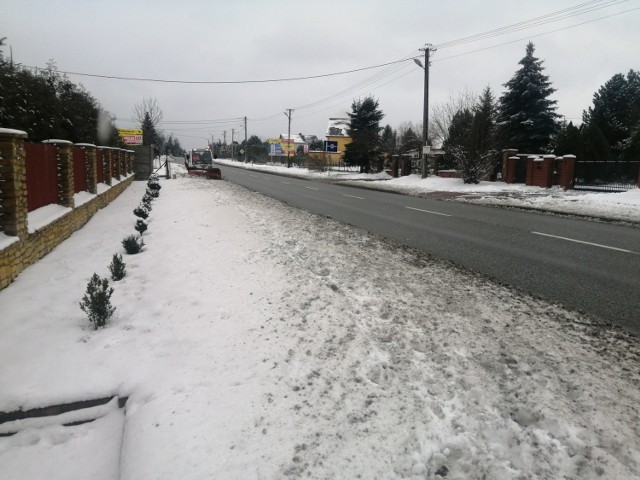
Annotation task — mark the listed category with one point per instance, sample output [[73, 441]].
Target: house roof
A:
[[297, 138], [338, 127]]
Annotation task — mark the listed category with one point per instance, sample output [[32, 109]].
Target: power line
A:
[[570, 12], [227, 82], [537, 35], [396, 66]]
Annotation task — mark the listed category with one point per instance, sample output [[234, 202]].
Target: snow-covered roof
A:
[[297, 138], [338, 127]]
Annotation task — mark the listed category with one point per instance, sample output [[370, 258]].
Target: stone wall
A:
[[22, 248]]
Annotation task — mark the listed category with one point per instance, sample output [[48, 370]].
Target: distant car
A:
[[199, 162]]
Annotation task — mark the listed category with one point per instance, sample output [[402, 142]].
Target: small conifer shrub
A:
[[141, 212], [153, 193], [132, 244], [153, 185], [146, 202], [141, 226], [117, 268], [96, 302]]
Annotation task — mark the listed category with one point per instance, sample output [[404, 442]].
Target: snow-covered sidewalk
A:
[[257, 341], [623, 207]]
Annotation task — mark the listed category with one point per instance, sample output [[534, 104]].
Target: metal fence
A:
[[42, 175], [608, 176]]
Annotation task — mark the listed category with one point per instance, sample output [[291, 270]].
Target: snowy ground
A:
[[257, 341], [610, 206]]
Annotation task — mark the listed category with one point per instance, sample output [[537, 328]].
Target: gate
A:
[[607, 176], [521, 169]]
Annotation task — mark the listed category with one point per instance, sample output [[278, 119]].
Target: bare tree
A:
[[442, 114], [147, 109], [147, 114]]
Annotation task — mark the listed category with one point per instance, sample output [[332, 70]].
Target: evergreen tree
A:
[[458, 135], [47, 104], [569, 141], [527, 116], [594, 143], [389, 147], [616, 113], [364, 130], [484, 123], [409, 141]]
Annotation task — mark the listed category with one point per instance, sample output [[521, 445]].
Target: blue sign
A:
[[331, 147], [275, 150]]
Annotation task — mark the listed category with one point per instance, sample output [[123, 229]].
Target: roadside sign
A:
[[330, 146], [130, 136]]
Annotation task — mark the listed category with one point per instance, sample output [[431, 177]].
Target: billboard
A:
[[130, 136], [278, 147]]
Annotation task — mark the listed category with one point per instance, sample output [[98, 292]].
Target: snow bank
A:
[[255, 340], [43, 216], [614, 206]]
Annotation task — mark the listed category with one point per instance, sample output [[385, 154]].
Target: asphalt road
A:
[[588, 266]]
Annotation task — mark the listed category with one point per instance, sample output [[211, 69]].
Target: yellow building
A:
[[339, 137]]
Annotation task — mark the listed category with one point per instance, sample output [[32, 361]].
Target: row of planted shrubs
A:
[[96, 302]]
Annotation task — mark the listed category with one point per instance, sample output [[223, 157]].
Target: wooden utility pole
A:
[[233, 131], [425, 112], [288, 114], [246, 145]]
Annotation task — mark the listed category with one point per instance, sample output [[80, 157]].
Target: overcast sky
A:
[[240, 40]]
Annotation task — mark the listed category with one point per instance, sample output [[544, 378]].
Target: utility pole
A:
[[225, 144], [288, 114], [233, 130], [425, 112], [246, 145]]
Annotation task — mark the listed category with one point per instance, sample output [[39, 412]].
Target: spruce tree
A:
[[527, 117], [616, 113], [484, 123], [569, 141], [458, 136], [364, 130]]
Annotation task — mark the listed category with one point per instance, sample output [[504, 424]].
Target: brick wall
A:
[[542, 170], [27, 248]]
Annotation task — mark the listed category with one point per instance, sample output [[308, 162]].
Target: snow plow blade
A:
[[207, 173]]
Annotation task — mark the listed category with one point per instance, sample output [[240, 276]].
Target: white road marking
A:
[[286, 183], [585, 243], [311, 188], [352, 196], [254, 176], [428, 211]]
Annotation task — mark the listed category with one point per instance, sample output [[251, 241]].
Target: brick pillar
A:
[[91, 170], [125, 162], [540, 170], [508, 165], [567, 176], [108, 173], [13, 196], [115, 155], [130, 160], [64, 161]]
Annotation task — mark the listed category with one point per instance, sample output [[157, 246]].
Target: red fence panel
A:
[[79, 170], [100, 165], [42, 175]]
